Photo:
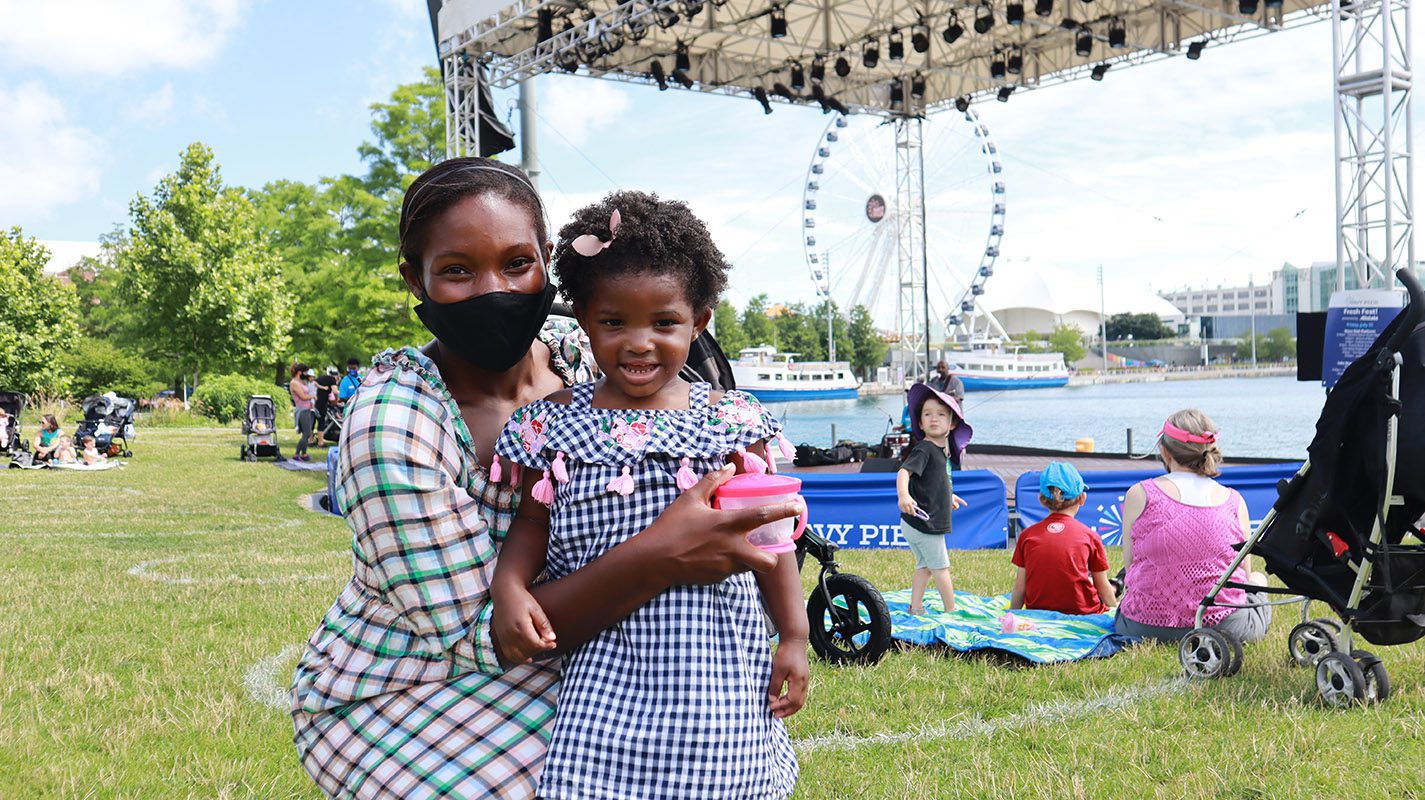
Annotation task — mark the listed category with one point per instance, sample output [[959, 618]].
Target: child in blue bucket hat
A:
[[1062, 563], [924, 489]]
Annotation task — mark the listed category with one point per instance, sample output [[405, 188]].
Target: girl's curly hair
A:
[[661, 237]]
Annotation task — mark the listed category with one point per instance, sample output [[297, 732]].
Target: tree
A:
[[728, 329], [410, 134], [1143, 327], [1244, 348], [1279, 345], [798, 332], [202, 274], [1069, 340], [845, 348], [39, 318], [756, 325], [868, 348], [97, 366]]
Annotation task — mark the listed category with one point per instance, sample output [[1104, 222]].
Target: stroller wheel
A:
[[1339, 680], [1235, 663], [127, 453], [1206, 653], [1377, 681], [1309, 642], [857, 624]]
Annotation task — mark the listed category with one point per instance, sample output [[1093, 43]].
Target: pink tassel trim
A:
[[543, 490], [752, 462], [514, 474], [496, 472], [561, 472], [686, 478], [623, 484], [785, 446]]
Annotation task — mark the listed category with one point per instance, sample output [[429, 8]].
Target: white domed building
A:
[[1025, 296]]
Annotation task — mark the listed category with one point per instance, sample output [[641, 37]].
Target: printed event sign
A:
[[858, 510], [1353, 322]]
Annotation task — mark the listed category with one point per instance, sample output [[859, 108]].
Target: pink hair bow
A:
[[589, 245]]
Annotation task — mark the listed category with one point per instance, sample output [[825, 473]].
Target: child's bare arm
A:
[[520, 630], [903, 499], [1105, 589], [782, 587], [1016, 595]]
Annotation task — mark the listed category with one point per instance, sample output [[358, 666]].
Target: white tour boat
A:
[[776, 378]]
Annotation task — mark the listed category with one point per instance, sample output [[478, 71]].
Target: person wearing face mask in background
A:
[[349, 382], [304, 394], [404, 690]]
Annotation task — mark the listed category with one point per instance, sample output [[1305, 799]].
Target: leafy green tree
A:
[[728, 329], [798, 332], [39, 318], [868, 348], [1244, 348], [98, 366], [410, 134], [756, 325], [841, 328], [202, 275], [1279, 345], [1142, 327], [1069, 340]]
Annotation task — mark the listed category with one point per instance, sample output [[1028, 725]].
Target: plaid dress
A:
[[672, 701], [399, 692]]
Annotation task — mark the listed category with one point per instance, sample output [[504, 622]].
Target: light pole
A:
[[1102, 321], [1252, 305]]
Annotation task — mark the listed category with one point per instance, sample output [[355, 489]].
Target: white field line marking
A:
[[261, 679], [144, 571], [978, 727]]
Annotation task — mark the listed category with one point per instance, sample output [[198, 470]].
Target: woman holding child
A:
[[405, 690]]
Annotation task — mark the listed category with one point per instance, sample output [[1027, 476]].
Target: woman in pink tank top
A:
[[1178, 537]]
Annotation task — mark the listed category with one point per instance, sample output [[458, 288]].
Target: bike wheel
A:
[[855, 627]]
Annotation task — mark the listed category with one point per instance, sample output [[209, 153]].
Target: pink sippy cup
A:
[[752, 490]]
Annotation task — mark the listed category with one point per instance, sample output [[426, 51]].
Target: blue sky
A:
[[1174, 173]]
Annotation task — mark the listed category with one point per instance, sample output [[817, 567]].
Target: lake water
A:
[[1267, 417]]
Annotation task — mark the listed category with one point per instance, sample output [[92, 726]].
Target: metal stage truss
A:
[[906, 60]]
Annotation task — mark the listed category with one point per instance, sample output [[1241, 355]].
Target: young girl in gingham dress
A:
[[684, 698]]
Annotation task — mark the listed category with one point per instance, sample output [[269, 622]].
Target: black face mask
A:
[[492, 331]]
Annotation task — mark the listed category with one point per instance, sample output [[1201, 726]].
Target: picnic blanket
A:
[[302, 466], [976, 625], [80, 466]]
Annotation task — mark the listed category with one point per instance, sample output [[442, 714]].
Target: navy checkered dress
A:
[[671, 702]]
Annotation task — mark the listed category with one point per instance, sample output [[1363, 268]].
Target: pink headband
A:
[[1174, 432]]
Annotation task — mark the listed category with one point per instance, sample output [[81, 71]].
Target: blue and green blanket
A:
[[975, 625]]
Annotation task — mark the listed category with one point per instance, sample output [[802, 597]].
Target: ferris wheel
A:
[[854, 213]]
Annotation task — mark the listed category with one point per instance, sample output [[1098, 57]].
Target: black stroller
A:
[[259, 425], [110, 420], [14, 404], [1343, 530]]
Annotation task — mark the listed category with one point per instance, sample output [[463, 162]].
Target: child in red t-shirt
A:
[[1062, 563]]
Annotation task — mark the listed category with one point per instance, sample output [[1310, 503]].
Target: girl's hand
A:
[[787, 692], [694, 543], [521, 630], [907, 505], [956, 501]]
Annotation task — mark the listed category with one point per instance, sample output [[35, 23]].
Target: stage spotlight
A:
[[1083, 42], [917, 86], [897, 96], [761, 95], [1014, 13], [781, 90], [691, 8], [997, 66], [984, 19], [920, 38], [1015, 64], [953, 30], [681, 61], [1194, 51], [838, 106], [659, 75], [895, 45], [682, 79], [637, 29], [818, 69], [1247, 7], [665, 17], [962, 104], [798, 77], [1117, 33], [779, 22], [546, 25], [819, 94], [842, 67], [1004, 93], [1043, 8], [1098, 71], [872, 54], [610, 41], [1273, 3]]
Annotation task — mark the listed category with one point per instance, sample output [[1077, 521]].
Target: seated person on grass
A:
[[1062, 563]]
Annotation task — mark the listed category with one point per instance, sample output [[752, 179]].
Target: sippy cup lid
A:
[[753, 485]]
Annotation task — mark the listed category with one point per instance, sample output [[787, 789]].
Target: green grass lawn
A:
[[148, 612]]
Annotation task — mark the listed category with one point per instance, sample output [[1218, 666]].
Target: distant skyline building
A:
[[1291, 289]]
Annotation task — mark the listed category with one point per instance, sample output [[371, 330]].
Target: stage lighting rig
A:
[[1117, 33], [818, 69], [761, 95], [842, 67], [659, 75], [1083, 42], [1099, 70], [1194, 49], [1004, 93], [779, 22], [1014, 12], [871, 55], [953, 29], [984, 18], [895, 45]]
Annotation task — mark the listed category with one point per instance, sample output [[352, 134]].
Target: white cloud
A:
[[577, 109], [155, 107], [101, 38], [49, 161]]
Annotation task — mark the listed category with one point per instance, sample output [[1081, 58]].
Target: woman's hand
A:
[[698, 544], [787, 692], [520, 629]]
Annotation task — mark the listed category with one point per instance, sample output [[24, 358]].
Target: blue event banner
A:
[[1103, 512], [858, 510], [1354, 320]]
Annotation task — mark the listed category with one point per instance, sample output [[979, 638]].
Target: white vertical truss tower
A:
[[462, 105], [1375, 188], [912, 303]]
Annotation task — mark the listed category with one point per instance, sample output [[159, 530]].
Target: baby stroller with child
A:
[[110, 420], [1344, 530], [11, 442], [259, 425]]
